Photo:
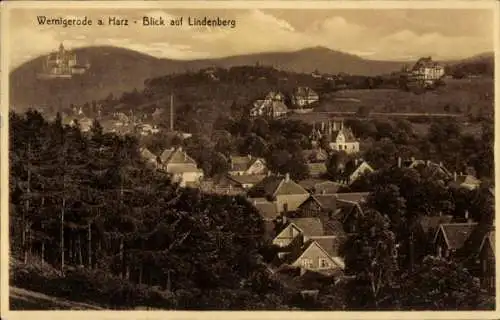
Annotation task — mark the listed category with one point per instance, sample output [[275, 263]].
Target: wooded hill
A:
[[117, 70]]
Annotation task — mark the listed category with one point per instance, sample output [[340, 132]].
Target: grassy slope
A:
[[22, 299]]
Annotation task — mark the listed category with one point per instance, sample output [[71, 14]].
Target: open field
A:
[[457, 96]]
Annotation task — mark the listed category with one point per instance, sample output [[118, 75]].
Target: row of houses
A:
[[309, 220]]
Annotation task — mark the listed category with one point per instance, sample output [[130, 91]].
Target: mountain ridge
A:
[[116, 70]]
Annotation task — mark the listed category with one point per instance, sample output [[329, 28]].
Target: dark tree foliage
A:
[[90, 201]]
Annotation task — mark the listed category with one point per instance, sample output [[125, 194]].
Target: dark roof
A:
[[272, 186], [310, 183], [353, 166], [479, 235], [243, 163], [310, 227], [326, 201], [430, 224], [267, 210], [177, 156], [425, 62], [490, 237], [146, 154], [456, 234], [345, 209], [434, 168], [247, 178]]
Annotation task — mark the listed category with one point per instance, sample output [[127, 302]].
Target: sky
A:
[[380, 34]]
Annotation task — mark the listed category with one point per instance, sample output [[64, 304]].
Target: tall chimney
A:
[[287, 177], [269, 173], [172, 112], [400, 162], [455, 176]]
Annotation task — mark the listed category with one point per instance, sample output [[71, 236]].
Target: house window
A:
[[323, 263], [307, 263]]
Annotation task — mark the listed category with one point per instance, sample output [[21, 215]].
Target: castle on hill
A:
[[62, 64]]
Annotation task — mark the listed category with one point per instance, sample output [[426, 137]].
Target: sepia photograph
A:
[[210, 158]]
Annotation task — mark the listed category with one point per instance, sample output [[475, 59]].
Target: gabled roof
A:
[[309, 227], [274, 95], [425, 62], [345, 209], [429, 165], [247, 178], [325, 201], [294, 256], [304, 92], [267, 210], [352, 169], [466, 181], [347, 132], [432, 223], [146, 154], [243, 163], [489, 238], [176, 156], [456, 234], [184, 167], [272, 186], [353, 197]]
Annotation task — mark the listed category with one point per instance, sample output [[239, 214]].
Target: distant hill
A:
[[117, 70], [481, 64], [113, 70]]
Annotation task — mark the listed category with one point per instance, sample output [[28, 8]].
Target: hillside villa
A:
[[427, 71], [272, 106], [303, 97]]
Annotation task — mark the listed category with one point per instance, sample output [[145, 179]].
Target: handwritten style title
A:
[[146, 21]]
